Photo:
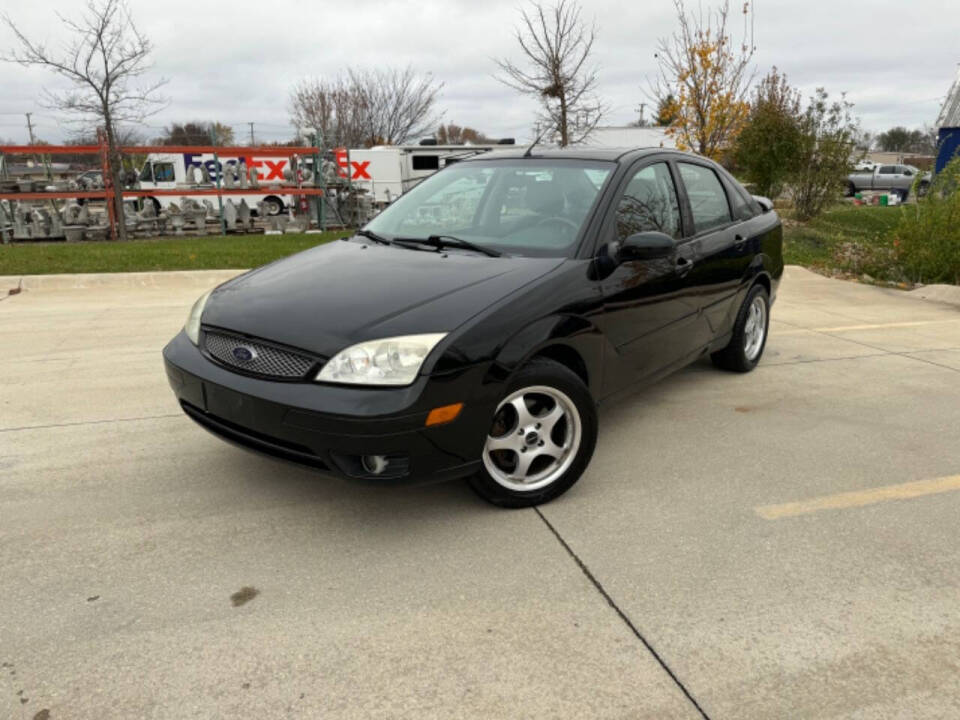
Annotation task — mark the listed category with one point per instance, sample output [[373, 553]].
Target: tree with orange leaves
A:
[[704, 79]]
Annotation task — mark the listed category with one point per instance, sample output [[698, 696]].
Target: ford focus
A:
[[474, 327]]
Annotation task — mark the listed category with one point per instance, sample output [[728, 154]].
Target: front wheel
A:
[[749, 334], [541, 437]]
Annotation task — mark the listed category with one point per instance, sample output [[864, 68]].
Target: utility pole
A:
[[253, 142], [30, 127], [42, 159]]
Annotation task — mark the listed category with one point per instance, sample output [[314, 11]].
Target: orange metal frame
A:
[[105, 194]]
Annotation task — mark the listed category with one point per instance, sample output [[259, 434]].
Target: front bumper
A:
[[330, 427]]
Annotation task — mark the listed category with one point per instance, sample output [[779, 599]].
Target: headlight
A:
[[193, 320], [391, 361]]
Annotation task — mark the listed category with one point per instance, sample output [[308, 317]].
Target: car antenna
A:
[[529, 150]]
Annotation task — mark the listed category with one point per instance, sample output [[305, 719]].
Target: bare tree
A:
[[556, 45], [704, 79], [367, 107], [453, 134], [127, 135], [196, 132], [103, 61], [331, 107], [399, 102]]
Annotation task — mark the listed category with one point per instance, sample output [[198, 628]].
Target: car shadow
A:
[[267, 480]]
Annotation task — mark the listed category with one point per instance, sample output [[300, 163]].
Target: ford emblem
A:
[[244, 354]]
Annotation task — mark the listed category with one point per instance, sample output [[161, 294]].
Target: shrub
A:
[[927, 239], [768, 146], [828, 140]]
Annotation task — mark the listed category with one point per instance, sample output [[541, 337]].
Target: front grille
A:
[[256, 357]]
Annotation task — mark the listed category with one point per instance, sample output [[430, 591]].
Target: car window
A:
[[649, 202], [452, 206], [146, 175], [519, 206], [888, 170], [744, 206], [163, 172], [708, 200]]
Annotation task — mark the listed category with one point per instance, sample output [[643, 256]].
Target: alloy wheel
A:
[[755, 328], [533, 440]]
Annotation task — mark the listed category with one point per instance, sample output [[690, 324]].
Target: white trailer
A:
[[388, 171]]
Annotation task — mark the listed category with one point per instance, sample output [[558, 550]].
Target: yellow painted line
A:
[[859, 498], [876, 326], [880, 326]]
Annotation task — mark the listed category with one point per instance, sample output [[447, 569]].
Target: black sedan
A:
[[474, 326]]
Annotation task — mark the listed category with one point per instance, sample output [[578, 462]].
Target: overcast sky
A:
[[235, 62]]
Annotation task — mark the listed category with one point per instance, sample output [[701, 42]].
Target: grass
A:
[[180, 253], [845, 239], [833, 242]]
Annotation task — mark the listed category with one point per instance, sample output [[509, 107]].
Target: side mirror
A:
[[650, 245], [908, 173], [766, 204]]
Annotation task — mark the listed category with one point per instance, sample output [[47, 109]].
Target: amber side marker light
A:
[[444, 414]]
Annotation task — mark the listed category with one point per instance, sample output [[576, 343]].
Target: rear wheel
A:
[[851, 190], [541, 437], [749, 334]]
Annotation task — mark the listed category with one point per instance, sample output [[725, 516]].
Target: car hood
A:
[[334, 295]]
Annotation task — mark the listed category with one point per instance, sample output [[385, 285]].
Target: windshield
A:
[[520, 207]]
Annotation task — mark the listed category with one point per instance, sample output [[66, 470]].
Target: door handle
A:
[[739, 241], [683, 266]]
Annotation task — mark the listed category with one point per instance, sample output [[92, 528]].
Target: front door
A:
[[649, 311]]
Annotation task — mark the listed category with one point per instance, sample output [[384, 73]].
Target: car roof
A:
[[601, 154]]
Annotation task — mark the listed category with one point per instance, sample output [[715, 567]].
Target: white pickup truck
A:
[[895, 178]]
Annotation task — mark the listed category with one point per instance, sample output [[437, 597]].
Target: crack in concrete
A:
[[621, 614], [883, 351], [89, 422]]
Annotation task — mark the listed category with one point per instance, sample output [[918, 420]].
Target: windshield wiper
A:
[[440, 241], [372, 236]]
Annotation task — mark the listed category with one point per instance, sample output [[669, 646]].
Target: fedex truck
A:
[[181, 171], [384, 173]]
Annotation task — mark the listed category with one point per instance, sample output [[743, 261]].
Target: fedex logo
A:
[[266, 169], [344, 166]]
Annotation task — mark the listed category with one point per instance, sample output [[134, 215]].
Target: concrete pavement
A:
[[661, 586]]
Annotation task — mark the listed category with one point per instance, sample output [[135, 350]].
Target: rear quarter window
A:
[[708, 199]]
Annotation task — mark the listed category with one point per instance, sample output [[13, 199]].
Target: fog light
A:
[[374, 464], [444, 414]]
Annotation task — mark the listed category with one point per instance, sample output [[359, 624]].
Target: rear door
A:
[[885, 177], [648, 308], [727, 242]]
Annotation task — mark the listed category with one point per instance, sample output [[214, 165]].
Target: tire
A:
[[272, 205], [552, 395], [851, 190], [745, 348]]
